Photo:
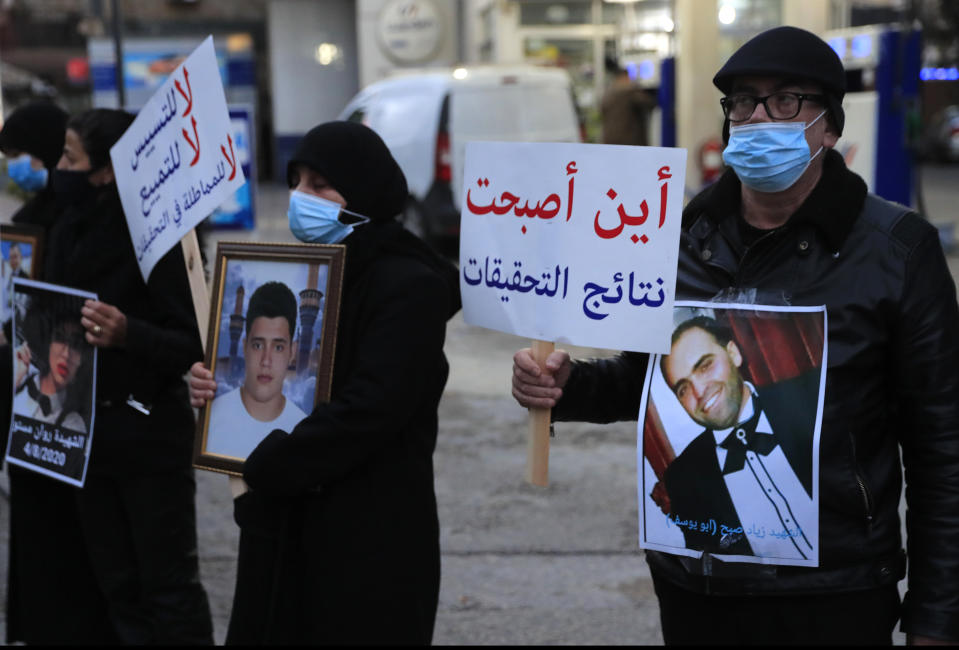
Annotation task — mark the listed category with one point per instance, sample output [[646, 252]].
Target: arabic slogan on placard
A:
[[572, 243], [177, 161]]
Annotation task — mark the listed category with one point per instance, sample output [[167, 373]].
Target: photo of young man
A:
[[239, 419]]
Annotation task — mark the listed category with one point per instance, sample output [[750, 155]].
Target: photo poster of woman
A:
[[268, 349], [728, 438], [54, 385]]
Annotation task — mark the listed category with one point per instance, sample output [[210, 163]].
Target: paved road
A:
[[521, 565]]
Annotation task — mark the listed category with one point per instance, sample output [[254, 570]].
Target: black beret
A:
[[36, 129], [789, 52], [358, 164]]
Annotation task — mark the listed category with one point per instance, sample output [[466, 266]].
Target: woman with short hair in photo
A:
[[53, 355]]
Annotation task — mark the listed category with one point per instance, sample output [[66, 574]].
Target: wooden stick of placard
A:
[[201, 306], [537, 446], [198, 288]]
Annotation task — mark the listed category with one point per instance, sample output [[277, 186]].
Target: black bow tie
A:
[[37, 396], [744, 438]]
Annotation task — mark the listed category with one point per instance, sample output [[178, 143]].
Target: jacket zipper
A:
[[866, 498]]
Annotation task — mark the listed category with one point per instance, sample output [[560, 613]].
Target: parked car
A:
[[426, 118], [941, 141]]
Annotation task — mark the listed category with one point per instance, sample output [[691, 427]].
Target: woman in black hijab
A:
[[339, 534], [43, 606], [32, 141], [136, 558]]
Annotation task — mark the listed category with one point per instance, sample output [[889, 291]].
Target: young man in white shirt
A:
[[268, 349]]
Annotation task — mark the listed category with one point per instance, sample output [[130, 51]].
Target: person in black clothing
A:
[[136, 511], [41, 544], [789, 224], [36, 130], [339, 540]]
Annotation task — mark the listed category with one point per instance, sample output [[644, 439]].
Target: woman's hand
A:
[[105, 324], [202, 385]]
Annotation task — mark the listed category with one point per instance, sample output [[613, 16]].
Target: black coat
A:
[[50, 572], [892, 381], [340, 536], [44, 526], [90, 249]]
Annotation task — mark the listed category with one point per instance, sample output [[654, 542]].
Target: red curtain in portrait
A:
[[777, 345]]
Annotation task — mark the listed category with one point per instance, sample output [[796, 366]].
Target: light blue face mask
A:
[[24, 175], [317, 220], [769, 156]]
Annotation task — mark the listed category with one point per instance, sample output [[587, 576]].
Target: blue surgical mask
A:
[[23, 174], [769, 156], [317, 220]]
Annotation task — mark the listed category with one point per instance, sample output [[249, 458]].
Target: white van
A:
[[426, 117]]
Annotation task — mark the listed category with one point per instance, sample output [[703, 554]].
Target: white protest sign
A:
[[177, 163], [573, 243]]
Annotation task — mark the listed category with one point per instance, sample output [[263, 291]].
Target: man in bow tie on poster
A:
[[755, 455]]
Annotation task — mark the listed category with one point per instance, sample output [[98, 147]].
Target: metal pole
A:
[[118, 52]]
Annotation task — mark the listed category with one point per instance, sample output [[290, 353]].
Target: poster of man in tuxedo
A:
[[729, 435]]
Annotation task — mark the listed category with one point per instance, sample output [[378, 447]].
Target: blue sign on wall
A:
[[238, 211]]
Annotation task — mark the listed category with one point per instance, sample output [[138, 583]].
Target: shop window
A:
[[547, 12]]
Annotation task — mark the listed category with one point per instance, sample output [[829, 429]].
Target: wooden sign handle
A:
[[238, 486], [537, 447], [201, 307], [194, 271]]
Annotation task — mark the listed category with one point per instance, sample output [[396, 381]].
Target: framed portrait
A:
[[270, 345], [54, 382], [21, 256], [728, 439]]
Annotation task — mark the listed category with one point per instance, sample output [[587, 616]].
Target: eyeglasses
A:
[[779, 106]]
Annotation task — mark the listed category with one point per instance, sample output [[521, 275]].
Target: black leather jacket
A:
[[892, 383]]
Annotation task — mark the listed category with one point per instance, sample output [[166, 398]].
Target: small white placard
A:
[[177, 162], [572, 243]]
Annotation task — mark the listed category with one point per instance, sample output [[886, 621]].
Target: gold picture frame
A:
[[270, 372]]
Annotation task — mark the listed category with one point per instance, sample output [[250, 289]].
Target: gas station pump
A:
[[882, 75], [659, 74]]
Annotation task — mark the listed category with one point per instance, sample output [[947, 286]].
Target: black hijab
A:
[[356, 161], [36, 129]]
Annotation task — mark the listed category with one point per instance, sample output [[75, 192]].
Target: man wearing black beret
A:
[[789, 224]]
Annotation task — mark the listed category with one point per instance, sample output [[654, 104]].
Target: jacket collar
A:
[[832, 207]]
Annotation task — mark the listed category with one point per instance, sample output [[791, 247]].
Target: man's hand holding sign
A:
[[572, 243]]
